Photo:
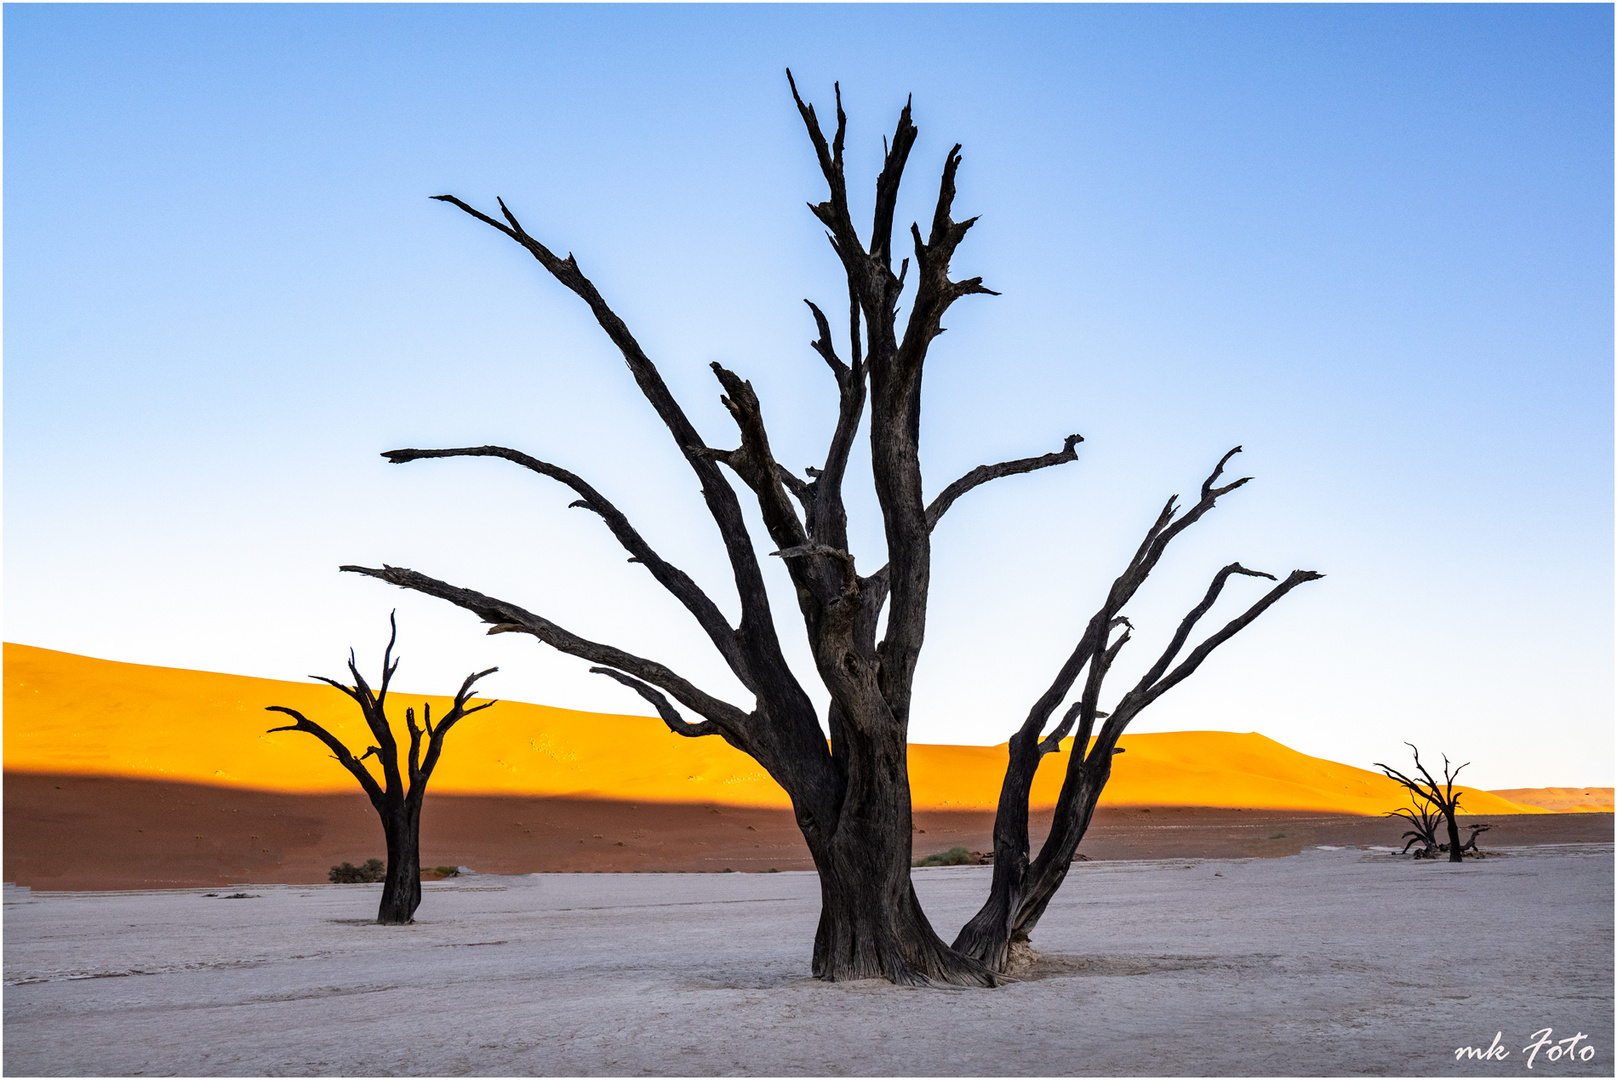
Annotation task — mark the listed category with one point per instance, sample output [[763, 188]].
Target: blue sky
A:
[[1371, 244]]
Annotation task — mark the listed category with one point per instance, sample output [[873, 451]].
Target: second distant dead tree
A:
[[403, 787], [1423, 819], [1425, 789]]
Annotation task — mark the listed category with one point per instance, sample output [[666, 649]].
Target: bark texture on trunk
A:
[[1456, 852], [398, 795], [401, 888]]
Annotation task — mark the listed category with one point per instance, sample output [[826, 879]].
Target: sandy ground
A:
[[78, 832], [1333, 962]]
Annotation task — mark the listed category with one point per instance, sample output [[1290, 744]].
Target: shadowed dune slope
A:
[[77, 715]]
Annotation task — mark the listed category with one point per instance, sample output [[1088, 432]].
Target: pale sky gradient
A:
[[1371, 244]]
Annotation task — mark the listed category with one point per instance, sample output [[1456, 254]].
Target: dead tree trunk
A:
[[1426, 788], [1022, 888], [851, 796], [397, 798], [401, 888]]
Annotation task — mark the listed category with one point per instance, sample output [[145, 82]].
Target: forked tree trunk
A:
[[999, 934]]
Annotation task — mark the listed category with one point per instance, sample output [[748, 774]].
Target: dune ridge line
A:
[[67, 713]]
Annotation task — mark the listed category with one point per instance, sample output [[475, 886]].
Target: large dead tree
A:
[[851, 795], [399, 796], [1425, 788]]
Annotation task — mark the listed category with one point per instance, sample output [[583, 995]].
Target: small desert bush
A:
[[349, 874], [955, 856]]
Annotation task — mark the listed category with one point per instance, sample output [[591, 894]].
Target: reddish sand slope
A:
[[98, 832], [1589, 800], [75, 715]]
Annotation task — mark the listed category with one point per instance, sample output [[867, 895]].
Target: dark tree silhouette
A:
[[1022, 888], [851, 795], [1471, 841], [1423, 819], [1443, 796], [398, 797]]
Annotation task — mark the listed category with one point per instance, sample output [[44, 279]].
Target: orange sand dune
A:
[[1588, 800], [73, 714]]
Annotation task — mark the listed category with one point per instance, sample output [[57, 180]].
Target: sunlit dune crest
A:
[[73, 714], [1588, 800]]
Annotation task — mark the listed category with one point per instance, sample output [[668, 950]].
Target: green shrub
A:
[[349, 874], [955, 856]]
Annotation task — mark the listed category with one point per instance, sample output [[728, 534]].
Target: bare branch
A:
[[824, 346], [457, 712], [934, 292], [371, 706], [755, 463], [984, 473], [676, 723], [833, 213], [1194, 616], [414, 761], [1089, 711], [825, 514], [389, 665], [1051, 743], [757, 635], [1146, 556], [508, 618], [892, 173], [335, 745], [1230, 629], [670, 577], [801, 489], [1208, 491]]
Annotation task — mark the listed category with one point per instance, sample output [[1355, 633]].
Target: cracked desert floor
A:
[[1331, 962]]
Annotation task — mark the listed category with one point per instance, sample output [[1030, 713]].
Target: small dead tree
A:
[[850, 792], [1423, 819], [399, 795], [1424, 787]]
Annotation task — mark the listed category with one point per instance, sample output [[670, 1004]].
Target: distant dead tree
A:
[[1426, 789], [398, 797], [1423, 819], [1471, 841], [851, 794]]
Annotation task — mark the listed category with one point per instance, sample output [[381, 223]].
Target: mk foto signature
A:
[[1566, 1049]]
